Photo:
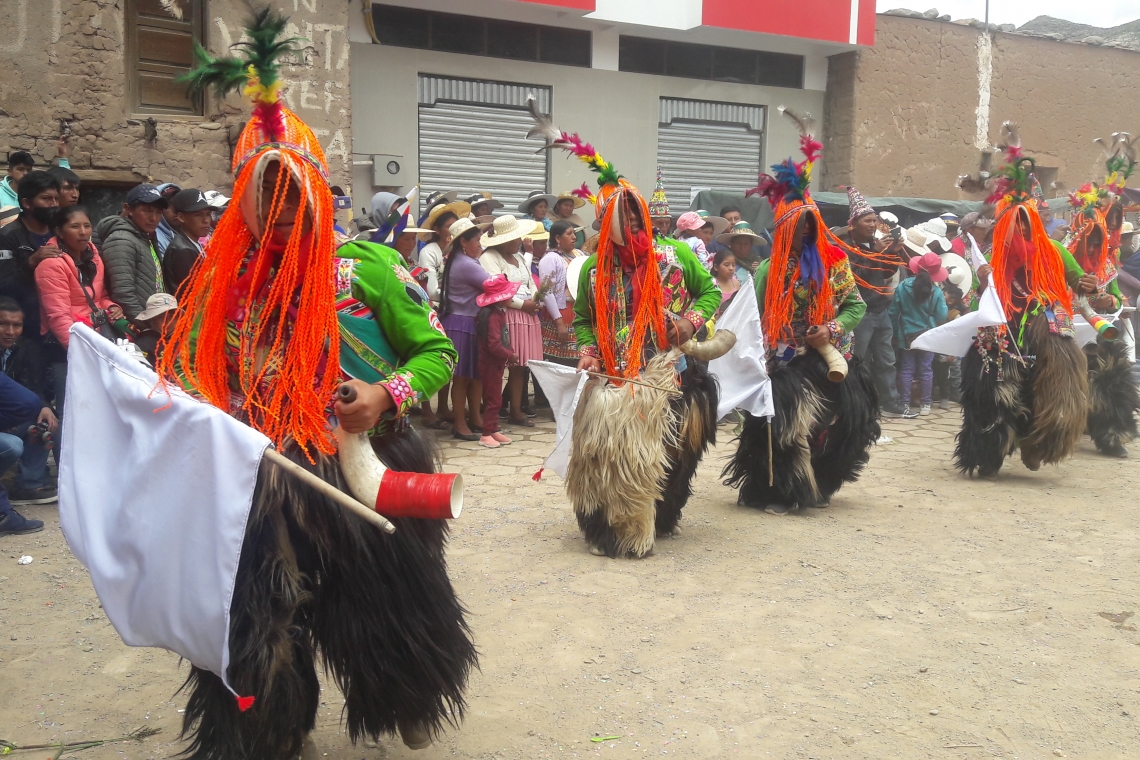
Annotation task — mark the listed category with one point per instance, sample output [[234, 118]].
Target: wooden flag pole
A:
[[329, 490]]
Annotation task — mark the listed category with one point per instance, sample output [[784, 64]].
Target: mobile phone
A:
[[341, 202]]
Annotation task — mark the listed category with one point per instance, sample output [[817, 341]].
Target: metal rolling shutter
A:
[[712, 153], [480, 144]]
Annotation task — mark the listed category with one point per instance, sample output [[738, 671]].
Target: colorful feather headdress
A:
[[1119, 160], [1015, 179], [1084, 201], [289, 355], [790, 179], [615, 203]]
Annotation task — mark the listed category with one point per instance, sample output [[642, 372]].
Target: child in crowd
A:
[[918, 306], [494, 353], [724, 272]]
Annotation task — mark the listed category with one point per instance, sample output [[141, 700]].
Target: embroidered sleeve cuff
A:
[[404, 397], [696, 318], [836, 329], [588, 351]]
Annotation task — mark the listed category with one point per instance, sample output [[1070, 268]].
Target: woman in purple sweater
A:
[[460, 284]]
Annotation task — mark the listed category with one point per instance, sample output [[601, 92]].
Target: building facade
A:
[[104, 70], [922, 107], [439, 89]]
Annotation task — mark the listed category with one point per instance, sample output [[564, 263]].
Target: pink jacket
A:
[[62, 302]]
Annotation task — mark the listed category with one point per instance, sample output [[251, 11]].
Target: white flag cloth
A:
[[955, 338], [563, 388], [742, 373], [154, 501]]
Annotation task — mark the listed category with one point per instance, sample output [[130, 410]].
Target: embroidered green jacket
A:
[[690, 292], [389, 333], [849, 306]]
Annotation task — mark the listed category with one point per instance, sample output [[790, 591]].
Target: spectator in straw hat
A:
[[537, 207], [502, 245], [483, 204], [740, 241], [439, 221]]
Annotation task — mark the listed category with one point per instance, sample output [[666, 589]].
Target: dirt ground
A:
[[922, 615]]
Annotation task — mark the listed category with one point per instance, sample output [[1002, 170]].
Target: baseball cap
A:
[[168, 190], [159, 303], [189, 200], [145, 194], [216, 199]]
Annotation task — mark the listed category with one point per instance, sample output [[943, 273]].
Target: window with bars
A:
[[160, 41], [472, 35]]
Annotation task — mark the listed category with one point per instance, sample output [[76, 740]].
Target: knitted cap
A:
[[658, 203], [858, 204]]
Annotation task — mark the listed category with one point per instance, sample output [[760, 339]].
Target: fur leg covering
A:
[[820, 436], [1114, 398], [618, 459], [379, 607], [1059, 396], [993, 412], [696, 419]]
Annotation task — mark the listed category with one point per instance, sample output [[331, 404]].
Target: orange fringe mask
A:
[[1092, 260], [1044, 270], [650, 311], [282, 388]]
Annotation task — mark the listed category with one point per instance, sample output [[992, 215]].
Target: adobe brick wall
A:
[[63, 59], [902, 116]]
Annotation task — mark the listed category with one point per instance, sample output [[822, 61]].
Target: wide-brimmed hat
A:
[[507, 228], [568, 196], [935, 230], [464, 225], [538, 233], [480, 198], [159, 303], [959, 271], [534, 197], [930, 263], [460, 208], [440, 196], [975, 219], [497, 289], [914, 240], [1126, 228], [740, 229]]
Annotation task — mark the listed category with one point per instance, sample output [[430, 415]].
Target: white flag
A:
[[154, 501], [955, 337], [743, 373], [563, 388]]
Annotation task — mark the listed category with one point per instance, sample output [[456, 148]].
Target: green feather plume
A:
[[262, 51]]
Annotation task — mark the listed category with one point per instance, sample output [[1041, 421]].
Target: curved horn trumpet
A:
[[836, 364], [715, 347], [1103, 327], [433, 496]]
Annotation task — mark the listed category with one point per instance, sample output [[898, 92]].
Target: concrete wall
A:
[[617, 112], [63, 59], [909, 116]]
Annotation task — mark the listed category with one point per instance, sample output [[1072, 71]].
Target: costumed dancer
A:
[[274, 322], [1023, 383], [637, 442], [826, 407], [1114, 398]]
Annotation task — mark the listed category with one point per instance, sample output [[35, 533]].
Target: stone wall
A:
[[907, 117], [64, 60]]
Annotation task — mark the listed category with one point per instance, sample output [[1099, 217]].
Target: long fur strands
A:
[[396, 643], [619, 454], [1059, 396], [696, 419], [994, 414], [1114, 399]]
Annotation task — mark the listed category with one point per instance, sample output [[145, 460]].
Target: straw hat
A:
[[459, 208], [479, 199], [440, 196], [534, 197], [740, 229], [462, 226], [507, 228], [914, 240], [568, 196], [538, 233]]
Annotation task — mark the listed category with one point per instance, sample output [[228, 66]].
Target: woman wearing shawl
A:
[[275, 320]]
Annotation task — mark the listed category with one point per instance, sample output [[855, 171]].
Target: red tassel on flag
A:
[[244, 703], [538, 475]]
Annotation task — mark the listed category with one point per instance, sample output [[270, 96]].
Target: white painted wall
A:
[[668, 14]]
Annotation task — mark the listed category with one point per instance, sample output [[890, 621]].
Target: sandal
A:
[[464, 437], [437, 425], [524, 422]]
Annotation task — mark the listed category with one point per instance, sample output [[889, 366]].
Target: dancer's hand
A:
[[818, 336], [589, 364], [361, 415], [1104, 302], [679, 330], [1088, 284]]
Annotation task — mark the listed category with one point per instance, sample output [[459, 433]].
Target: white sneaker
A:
[[944, 404], [924, 410]]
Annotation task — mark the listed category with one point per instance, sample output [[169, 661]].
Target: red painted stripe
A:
[[866, 23], [828, 20], [582, 5]]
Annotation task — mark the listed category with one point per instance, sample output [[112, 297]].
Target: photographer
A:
[[21, 360]]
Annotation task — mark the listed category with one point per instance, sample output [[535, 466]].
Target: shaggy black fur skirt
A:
[[820, 436], [696, 410], [314, 581], [1038, 406], [1114, 398]]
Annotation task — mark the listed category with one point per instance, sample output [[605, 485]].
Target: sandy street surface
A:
[[922, 615]]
